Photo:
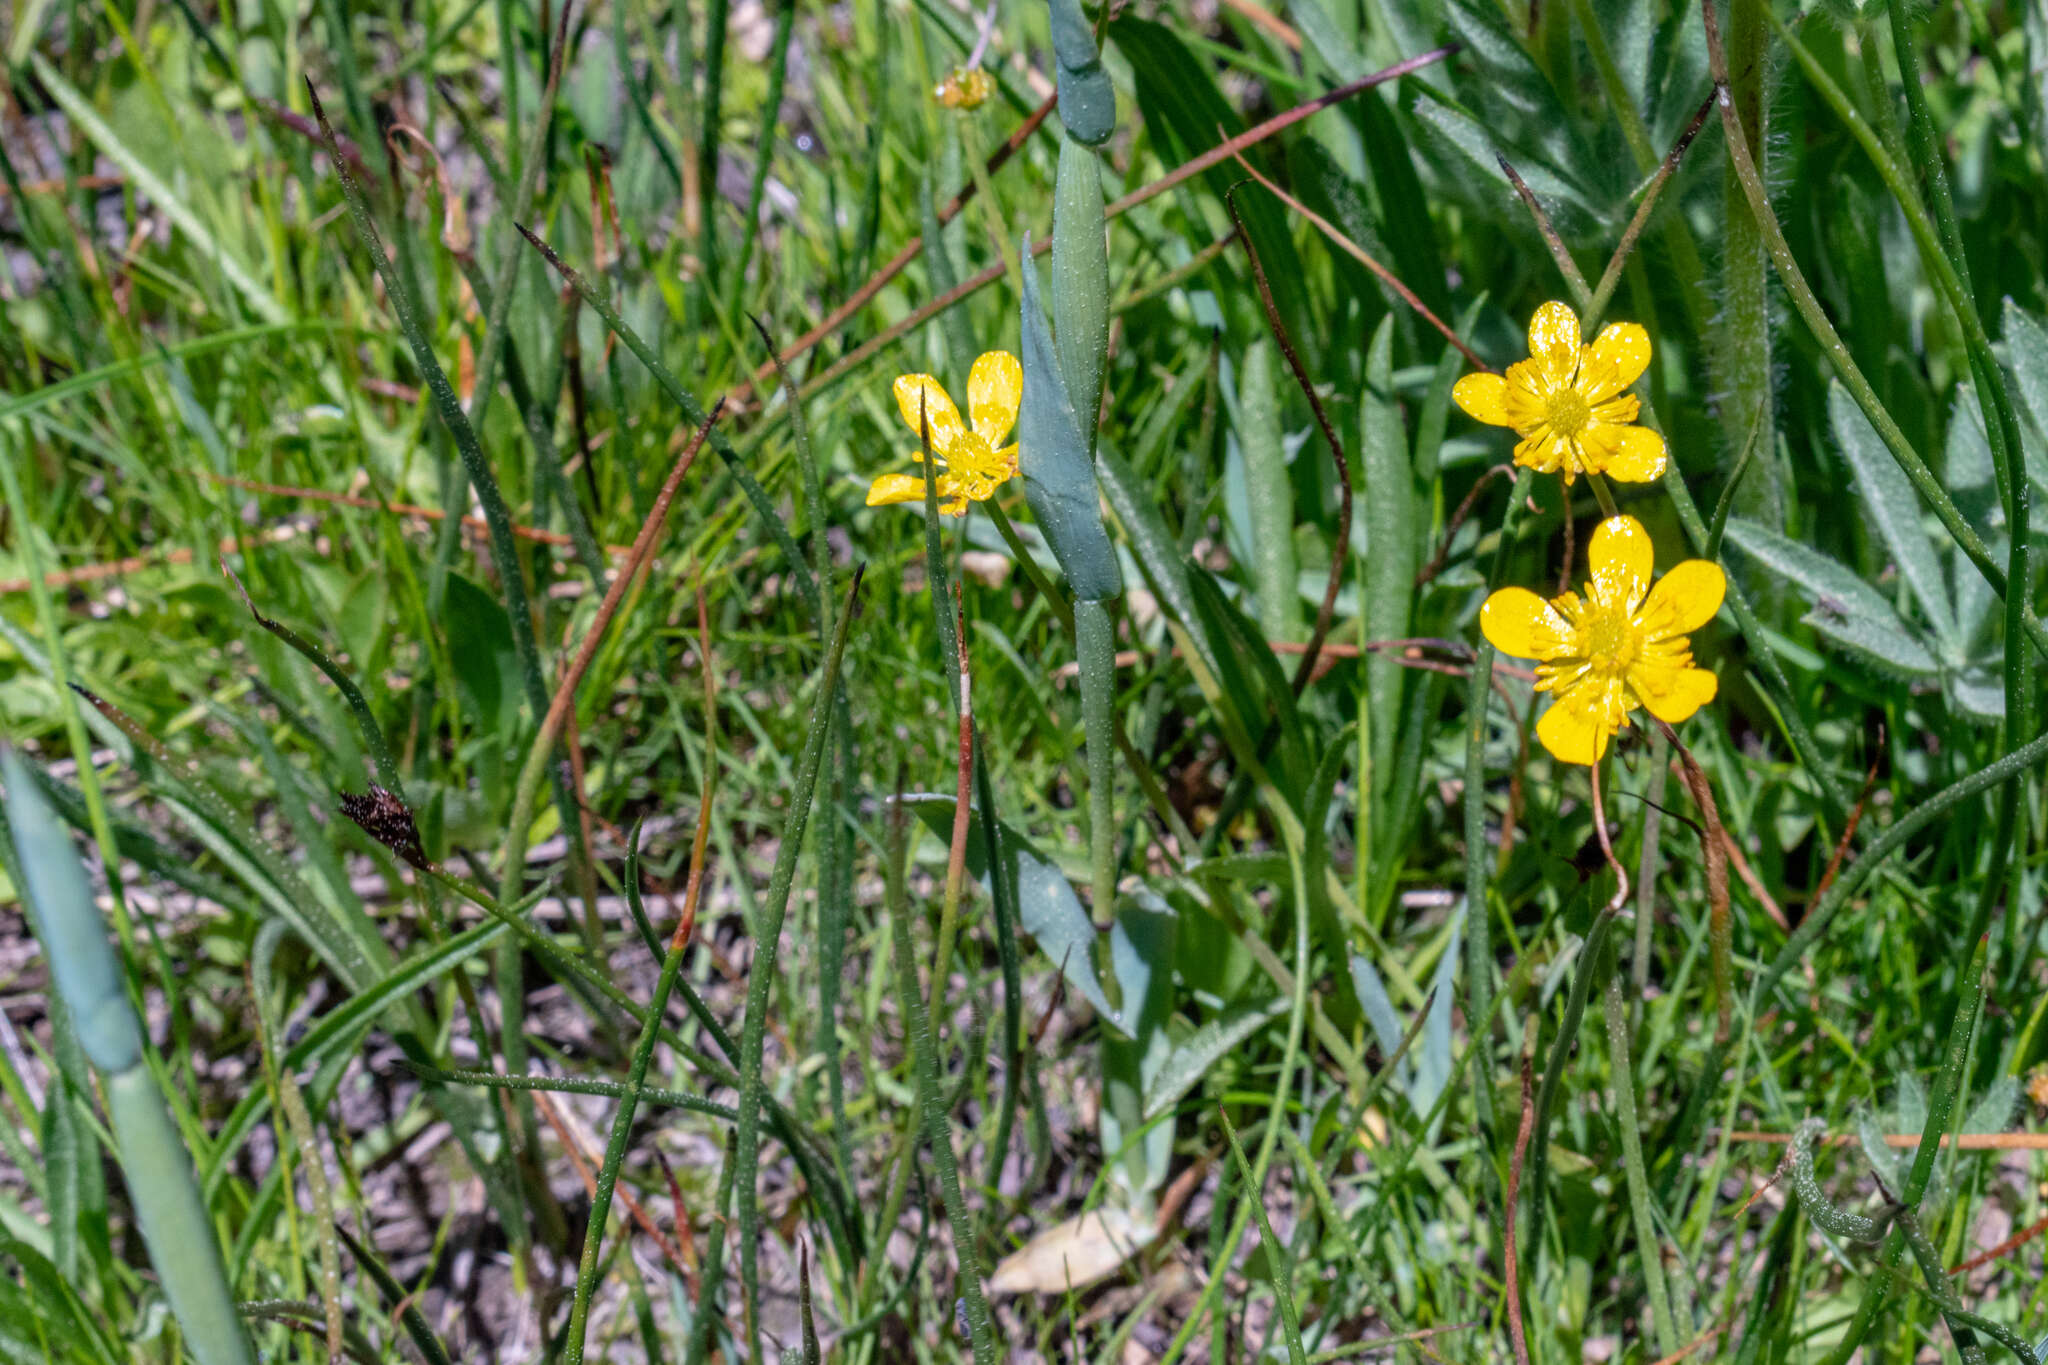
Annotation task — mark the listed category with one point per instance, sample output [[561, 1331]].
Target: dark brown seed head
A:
[[388, 820]]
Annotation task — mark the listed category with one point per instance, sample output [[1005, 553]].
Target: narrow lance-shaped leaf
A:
[[1059, 477], [154, 1160], [1895, 513]]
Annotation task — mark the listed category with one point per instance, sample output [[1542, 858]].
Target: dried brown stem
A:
[[636, 559], [893, 267], [1612, 275], [1464, 510], [1565, 264], [693, 890], [1720, 930], [1359, 254]]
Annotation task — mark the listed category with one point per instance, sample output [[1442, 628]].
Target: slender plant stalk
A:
[[931, 1102], [1279, 1265], [657, 1008], [1095, 648], [761, 975], [499, 310], [1478, 693]]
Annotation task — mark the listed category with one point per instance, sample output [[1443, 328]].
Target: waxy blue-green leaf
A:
[[1087, 99], [1080, 281], [1047, 908], [1052, 454], [1894, 510], [1846, 610], [87, 973]]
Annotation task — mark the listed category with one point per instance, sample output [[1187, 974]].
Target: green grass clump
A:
[[1136, 918]]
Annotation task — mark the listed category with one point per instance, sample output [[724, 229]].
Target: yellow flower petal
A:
[[1575, 728], [1484, 396], [1683, 600], [1615, 360], [994, 389], [1620, 559], [937, 409], [1554, 341], [1518, 622], [1527, 407], [1625, 454], [894, 488], [1672, 695], [1544, 452]]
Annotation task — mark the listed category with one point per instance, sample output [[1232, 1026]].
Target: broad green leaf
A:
[[1845, 609], [1433, 1065], [1269, 495], [480, 645], [1474, 151], [67, 920], [1894, 510], [1141, 942], [1393, 516], [1052, 454], [1970, 478], [2026, 355], [1047, 908], [1080, 278]]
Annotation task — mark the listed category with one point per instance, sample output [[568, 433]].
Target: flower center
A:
[[1569, 412], [1612, 641]]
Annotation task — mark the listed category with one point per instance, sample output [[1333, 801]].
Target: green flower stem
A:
[[761, 974], [1648, 1242], [1141, 769], [931, 1101], [1743, 341], [1095, 648], [615, 1150], [2001, 424], [1478, 692], [575, 1085]]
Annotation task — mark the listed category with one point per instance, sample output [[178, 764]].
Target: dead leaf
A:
[[1073, 1254]]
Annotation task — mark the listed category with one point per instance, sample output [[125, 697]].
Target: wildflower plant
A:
[[1621, 646], [1048, 916], [975, 458], [1569, 401]]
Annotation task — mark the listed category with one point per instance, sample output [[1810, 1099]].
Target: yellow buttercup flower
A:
[[965, 87], [1568, 402], [1621, 646], [973, 461]]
